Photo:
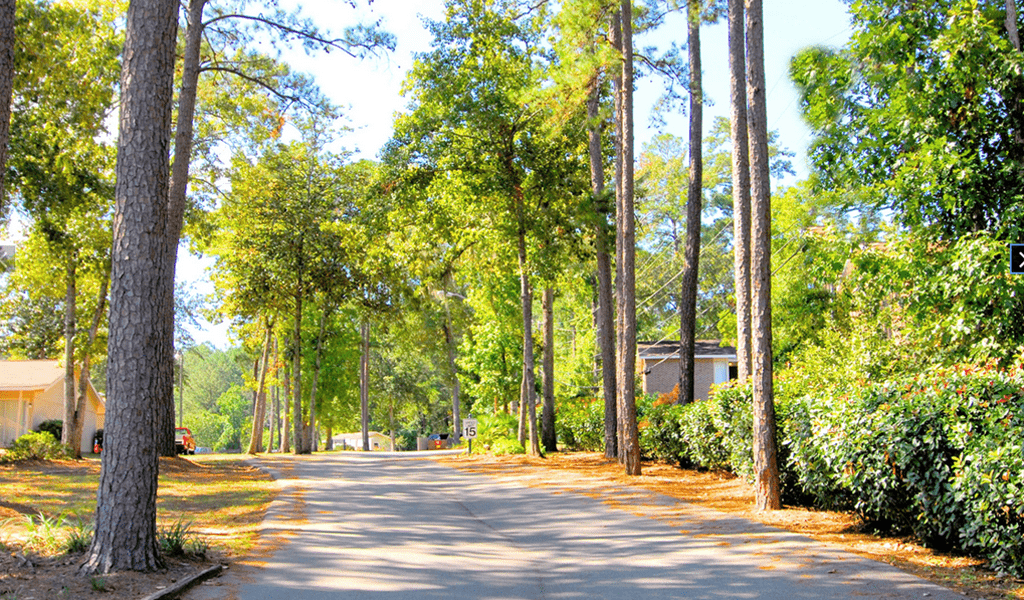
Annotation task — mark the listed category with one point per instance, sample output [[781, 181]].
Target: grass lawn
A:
[[219, 496]]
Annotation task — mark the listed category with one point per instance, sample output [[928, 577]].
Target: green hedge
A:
[[939, 455]]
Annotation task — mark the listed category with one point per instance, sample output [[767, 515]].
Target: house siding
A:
[[664, 376]]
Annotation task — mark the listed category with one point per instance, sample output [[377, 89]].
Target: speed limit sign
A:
[[469, 428]]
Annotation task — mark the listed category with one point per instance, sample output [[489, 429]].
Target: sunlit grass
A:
[[219, 496]]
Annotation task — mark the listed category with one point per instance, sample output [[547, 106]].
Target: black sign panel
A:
[[1017, 259]]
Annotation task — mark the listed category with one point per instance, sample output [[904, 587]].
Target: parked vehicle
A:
[[184, 443]]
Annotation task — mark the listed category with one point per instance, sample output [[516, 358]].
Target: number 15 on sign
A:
[[469, 428]]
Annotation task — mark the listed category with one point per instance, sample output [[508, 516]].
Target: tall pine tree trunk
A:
[[259, 414], [605, 243], [70, 296], [7, 41], [627, 302], [364, 383], [176, 213], [766, 470], [695, 188], [85, 371], [449, 342], [125, 534], [313, 430], [528, 404], [617, 91], [740, 184], [298, 415], [285, 431], [548, 365]]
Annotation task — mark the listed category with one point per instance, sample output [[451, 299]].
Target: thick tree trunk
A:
[[125, 535], [313, 431], [548, 365], [364, 384], [605, 242], [175, 213], [618, 93], [70, 296], [259, 413], [298, 416], [766, 470], [740, 184], [695, 188], [627, 302], [528, 404], [7, 40]]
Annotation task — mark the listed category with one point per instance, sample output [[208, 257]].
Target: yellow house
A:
[[32, 391]]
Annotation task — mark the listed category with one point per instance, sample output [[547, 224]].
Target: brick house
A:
[[658, 366]]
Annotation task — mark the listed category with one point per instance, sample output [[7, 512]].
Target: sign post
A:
[[469, 432]]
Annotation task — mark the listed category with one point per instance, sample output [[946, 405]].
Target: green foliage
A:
[[492, 429], [79, 537], [579, 423], [178, 539], [54, 427], [936, 454], [36, 446], [506, 446], [921, 112]]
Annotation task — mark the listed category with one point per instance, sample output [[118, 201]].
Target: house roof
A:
[[28, 375], [670, 349]]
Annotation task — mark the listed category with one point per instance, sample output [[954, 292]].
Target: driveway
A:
[[364, 527]]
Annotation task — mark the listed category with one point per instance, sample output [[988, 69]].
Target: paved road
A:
[[366, 528]]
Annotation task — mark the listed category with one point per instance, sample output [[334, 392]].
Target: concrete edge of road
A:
[[175, 590]]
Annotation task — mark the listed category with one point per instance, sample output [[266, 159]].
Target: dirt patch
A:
[[593, 475], [46, 578], [215, 485]]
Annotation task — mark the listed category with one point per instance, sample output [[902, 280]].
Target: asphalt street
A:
[[366, 527]]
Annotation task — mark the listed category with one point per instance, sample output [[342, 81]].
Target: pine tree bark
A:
[[259, 413], [617, 92], [125, 534], [1011, 24], [627, 302], [548, 437], [364, 384], [740, 184], [314, 438], [528, 404], [7, 40], [449, 342], [766, 470], [70, 296], [694, 208], [605, 310], [285, 431], [298, 415], [85, 371]]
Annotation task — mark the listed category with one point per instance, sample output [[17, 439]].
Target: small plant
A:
[[98, 584], [180, 540], [79, 538], [45, 534]]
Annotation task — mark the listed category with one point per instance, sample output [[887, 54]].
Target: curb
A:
[[181, 586]]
